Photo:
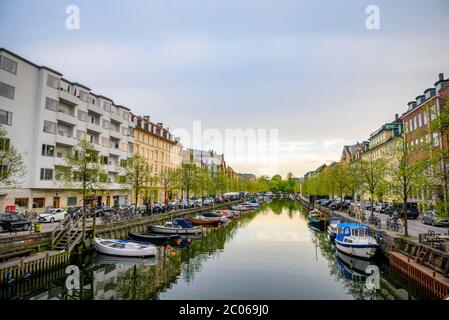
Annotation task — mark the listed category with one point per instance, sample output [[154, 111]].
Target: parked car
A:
[[52, 215], [11, 222], [208, 201], [434, 218], [159, 207], [218, 199], [412, 210], [173, 205], [196, 202]]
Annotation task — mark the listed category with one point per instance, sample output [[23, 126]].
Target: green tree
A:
[[407, 170], [82, 171], [137, 176], [12, 166], [439, 154], [354, 178], [373, 173]]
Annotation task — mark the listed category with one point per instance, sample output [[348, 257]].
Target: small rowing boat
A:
[[124, 248], [177, 226], [153, 237], [201, 220]]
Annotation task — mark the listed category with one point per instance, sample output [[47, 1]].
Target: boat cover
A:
[[183, 222]]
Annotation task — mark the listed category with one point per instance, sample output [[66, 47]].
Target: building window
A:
[[49, 127], [80, 135], [106, 124], [105, 142], [436, 140], [5, 117], [433, 113], [419, 120], [107, 106], [425, 118], [48, 150], [51, 104], [8, 65], [21, 202], [82, 115], [104, 159], [6, 90], [84, 96], [125, 131], [124, 147], [46, 174], [125, 115], [38, 203], [71, 201], [52, 81]]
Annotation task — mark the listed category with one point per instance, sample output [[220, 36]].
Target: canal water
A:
[[271, 253]]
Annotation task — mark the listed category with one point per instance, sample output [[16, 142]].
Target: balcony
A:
[[114, 168], [117, 152], [117, 118], [115, 134], [94, 127], [96, 109], [66, 140], [68, 98], [67, 119], [131, 139]]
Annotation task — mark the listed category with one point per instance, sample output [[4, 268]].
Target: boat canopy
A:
[[183, 222], [353, 225]]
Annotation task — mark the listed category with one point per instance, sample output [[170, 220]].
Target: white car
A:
[[52, 215]]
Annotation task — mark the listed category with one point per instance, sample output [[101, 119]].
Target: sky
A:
[[292, 81]]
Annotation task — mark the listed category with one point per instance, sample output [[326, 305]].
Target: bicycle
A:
[[394, 225]]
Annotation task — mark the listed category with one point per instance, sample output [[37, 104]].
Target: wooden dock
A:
[[429, 279]]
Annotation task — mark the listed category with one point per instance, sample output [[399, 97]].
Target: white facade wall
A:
[[27, 130]]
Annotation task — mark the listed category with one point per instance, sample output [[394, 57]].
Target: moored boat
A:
[[153, 237], [354, 239], [177, 226], [317, 219], [201, 220], [124, 248], [332, 226], [241, 207]]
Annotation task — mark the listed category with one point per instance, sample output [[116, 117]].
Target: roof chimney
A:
[[146, 118], [441, 76], [396, 116]]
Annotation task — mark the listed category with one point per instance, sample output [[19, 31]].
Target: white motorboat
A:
[[354, 239], [124, 248], [241, 207], [177, 226]]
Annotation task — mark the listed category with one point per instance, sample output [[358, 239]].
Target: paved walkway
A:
[[415, 226]]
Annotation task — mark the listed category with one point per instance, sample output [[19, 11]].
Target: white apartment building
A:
[[45, 115]]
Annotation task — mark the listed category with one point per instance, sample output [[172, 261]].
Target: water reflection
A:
[[268, 254]]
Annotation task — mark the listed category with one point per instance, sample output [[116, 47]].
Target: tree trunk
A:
[[404, 209], [84, 209]]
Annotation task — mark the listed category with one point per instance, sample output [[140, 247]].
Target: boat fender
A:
[[173, 254], [189, 240], [168, 248]]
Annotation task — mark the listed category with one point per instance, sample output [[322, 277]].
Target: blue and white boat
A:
[[332, 226], [355, 240]]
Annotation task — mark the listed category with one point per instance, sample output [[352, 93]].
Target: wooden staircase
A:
[[69, 240], [66, 235], [422, 254]]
